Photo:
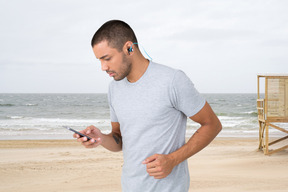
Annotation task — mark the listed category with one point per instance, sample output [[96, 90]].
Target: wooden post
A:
[[266, 139], [258, 88], [260, 123], [266, 127]]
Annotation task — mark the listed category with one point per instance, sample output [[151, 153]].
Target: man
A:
[[149, 106]]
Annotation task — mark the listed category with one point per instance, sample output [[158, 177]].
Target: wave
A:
[[250, 113], [7, 105], [240, 114], [14, 121], [31, 104], [11, 105], [15, 117]]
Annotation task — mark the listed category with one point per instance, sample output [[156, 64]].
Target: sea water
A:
[[42, 116]]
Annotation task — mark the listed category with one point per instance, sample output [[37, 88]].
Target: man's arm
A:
[[111, 141], [161, 166]]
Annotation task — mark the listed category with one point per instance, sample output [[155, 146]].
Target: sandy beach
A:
[[227, 164]]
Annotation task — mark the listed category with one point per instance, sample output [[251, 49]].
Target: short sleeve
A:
[[113, 116], [183, 95]]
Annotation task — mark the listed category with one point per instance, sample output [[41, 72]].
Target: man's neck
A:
[[138, 69]]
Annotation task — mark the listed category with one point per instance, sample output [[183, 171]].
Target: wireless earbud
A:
[[130, 49]]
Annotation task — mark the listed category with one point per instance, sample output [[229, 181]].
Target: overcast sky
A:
[[220, 44]]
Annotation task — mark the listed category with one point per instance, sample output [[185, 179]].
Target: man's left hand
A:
[[159, 166]]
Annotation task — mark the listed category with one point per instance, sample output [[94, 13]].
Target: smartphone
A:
[[81, 134]]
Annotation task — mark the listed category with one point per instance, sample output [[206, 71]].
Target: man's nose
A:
[[104, 66]]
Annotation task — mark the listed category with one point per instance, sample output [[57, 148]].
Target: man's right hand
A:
[[92, 132]]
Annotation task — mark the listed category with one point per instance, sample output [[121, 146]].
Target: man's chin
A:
[[118, 79]]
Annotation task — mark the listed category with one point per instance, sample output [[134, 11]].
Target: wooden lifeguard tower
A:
[[272, 109]]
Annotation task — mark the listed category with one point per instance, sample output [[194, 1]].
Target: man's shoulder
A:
[[164, 68], [163, 71]]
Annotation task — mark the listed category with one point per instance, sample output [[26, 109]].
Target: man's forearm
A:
[[112, 142], [201, 138]]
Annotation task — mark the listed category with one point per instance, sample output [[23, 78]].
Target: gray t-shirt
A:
[[152, 114]]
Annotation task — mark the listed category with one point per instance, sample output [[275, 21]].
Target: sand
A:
[[227, 164]]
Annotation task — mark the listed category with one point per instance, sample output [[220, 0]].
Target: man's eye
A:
[[108, 59]]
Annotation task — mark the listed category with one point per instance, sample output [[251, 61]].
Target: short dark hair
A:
[[116, 33]]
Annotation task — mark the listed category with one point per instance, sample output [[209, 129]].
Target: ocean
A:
[[42, 116]]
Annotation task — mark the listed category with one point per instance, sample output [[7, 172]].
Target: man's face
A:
[[115, 63]]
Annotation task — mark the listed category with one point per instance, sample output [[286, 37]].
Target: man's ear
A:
[[128, 48]]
